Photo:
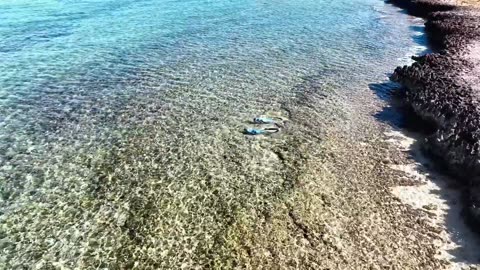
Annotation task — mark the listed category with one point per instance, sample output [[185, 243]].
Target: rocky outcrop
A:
[[442, 88], [423, 8]]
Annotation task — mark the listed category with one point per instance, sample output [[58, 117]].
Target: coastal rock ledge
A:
[[444, 88]]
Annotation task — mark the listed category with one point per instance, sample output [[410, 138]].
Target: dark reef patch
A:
[[441, 87]]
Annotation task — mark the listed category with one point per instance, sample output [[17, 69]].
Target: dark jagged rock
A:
[[440, 89], [422, 8]]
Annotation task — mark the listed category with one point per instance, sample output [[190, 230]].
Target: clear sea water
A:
[[120, 121]]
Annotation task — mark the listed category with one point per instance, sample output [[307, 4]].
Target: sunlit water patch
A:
[[120, 139]]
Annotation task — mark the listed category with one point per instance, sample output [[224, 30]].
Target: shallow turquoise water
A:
[[121, 120]]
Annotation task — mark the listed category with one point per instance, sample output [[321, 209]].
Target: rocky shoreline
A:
[[444, 88]]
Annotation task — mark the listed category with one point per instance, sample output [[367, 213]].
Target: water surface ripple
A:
[[120, 120]]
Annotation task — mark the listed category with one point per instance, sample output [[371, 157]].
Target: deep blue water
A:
[[110, 110]]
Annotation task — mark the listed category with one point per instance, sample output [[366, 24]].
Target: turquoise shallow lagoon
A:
[[120, 121]]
